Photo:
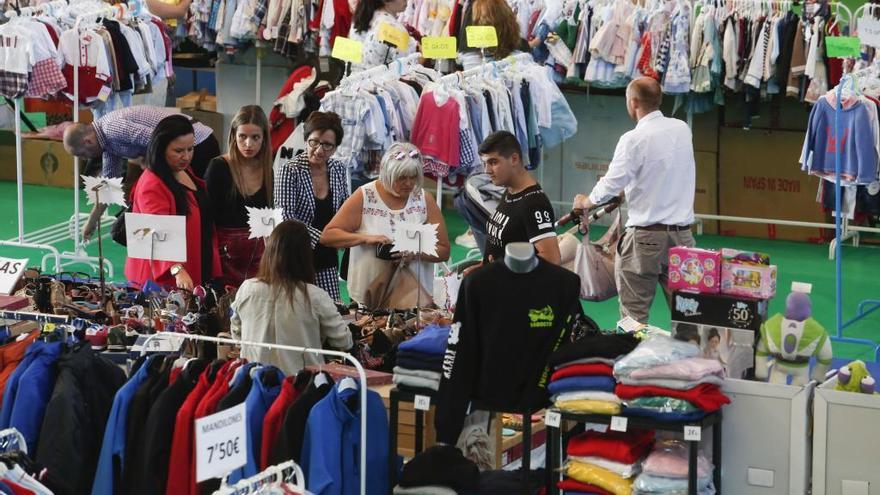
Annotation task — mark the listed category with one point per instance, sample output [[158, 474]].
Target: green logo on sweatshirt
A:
[[541, 318]]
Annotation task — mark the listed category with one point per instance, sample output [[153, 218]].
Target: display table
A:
[[555, 442]]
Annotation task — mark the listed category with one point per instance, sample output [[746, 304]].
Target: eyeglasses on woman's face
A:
[[314, 143]]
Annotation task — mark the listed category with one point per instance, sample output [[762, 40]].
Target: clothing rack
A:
[[269, 475], [867, 306], [32, 316], [12, 437], [44, 238], [362, 378]]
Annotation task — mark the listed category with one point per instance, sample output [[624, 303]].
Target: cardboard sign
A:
[[869, 31], [619, 423], [552, 419], [439, 47], [415, 238], [422, 403], [10, 271], [221, 444], [481, 36], [396, 37], [262, 221], [348, 50], [104, 190], [162, 237], [843, 47], [693, 433]]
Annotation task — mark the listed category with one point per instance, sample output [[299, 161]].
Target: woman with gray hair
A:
[[366, 223]]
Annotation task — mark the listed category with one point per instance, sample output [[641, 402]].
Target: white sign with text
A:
[[221, 444], [11, 270]]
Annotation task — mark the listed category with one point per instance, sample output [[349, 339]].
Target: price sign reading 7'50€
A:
[[221, 443]]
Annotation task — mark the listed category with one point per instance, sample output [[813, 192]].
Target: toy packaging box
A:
[[695, 270], [726, 328], [738, 279]]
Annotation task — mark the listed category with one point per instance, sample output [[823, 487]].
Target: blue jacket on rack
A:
[[331, 447], [257, 404], [28, 392], [113, 447]]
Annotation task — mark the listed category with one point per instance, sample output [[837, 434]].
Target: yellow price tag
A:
[[347, 50], [481, 36], [439, 46], [395, 36]]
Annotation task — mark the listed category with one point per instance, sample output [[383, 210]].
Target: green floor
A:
[[796, 261]]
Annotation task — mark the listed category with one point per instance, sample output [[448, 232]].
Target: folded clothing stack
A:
[[420, 359], [664, 379], [605, 462], [666, 471], [583, 380], [438, 470]]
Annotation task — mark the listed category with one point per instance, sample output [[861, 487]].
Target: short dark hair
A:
[[502, 142], [713, 332], [323, 121]]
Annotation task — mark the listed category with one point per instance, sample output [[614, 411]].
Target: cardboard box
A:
[[56, 111], [199, 100], [693, 269], [725, 327], [213, 120], [760, 178], [46, 163], [741, 279]]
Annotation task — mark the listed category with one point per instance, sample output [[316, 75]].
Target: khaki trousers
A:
[[642, 261]]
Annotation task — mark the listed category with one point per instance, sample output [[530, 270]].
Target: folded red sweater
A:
[[577, 486], [625, 448], [589, 369], [706, 396]]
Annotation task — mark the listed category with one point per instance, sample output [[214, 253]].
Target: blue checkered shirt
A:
[[125, 134]]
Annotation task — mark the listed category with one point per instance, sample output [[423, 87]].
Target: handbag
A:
[[594, 263], [396, 288], [117, 230]]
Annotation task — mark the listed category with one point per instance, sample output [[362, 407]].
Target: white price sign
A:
[[10, 271], [693, 433], [869, 31], [422, 403], [552, 419], [618, 423], [221, 445]]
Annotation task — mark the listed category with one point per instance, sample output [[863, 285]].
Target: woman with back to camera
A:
[[369, 218], [168, 187], [240, 179], [281, 305], [495, 13]]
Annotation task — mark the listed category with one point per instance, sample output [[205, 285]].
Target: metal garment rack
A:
[[43, 239], [867, 306], [362, 378]]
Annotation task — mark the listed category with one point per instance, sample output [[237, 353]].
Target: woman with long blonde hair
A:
[[239, 179]]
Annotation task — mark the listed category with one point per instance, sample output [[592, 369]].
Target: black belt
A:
[[659, 227]]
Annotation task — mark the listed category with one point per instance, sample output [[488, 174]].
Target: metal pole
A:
[[362, 377], [19, 180], [838, 263], [76, 236], [259, 73]]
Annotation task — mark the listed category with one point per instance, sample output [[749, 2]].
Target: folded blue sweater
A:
[[582, 383], [431, 340]]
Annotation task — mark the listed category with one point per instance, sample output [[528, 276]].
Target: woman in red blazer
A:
[[168, 187]]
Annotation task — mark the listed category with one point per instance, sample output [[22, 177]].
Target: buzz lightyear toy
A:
[[789, 341]]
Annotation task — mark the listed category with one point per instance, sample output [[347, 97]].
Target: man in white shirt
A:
[[654, 166]]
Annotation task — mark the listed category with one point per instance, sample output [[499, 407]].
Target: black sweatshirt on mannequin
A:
[[506, 326]]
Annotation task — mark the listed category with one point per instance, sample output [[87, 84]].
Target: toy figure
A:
[[855, 377], [788, 342]]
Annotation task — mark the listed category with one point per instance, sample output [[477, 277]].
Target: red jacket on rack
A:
[[151, 195]]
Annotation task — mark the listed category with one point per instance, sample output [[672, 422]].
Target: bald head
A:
[[643, 96], [81, 140]]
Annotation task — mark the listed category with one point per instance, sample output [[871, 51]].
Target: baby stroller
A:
[[593, 260]]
